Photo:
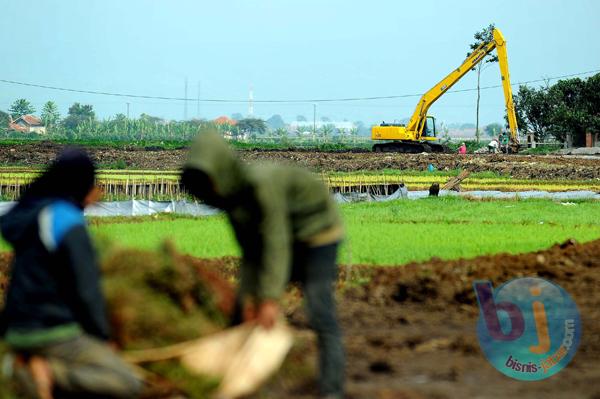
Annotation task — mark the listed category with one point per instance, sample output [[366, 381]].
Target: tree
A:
[[275, 122], [533, 110], [567, 110], [237, 116], [485, 35], [362, 129], [151, 119], [50, 114], [570, 118], [4, 120], [281, 132], [252, 126], [301, 118], [21, 107], [327, 130], [78, 114], [493, 129], [325, 119], [592, 101]]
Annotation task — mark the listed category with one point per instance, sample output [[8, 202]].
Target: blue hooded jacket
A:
[[54, 289]]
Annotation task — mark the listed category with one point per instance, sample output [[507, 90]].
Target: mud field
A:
[[538, 167], [410, 330]]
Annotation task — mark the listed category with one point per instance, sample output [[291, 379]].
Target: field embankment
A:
[[517, 166]]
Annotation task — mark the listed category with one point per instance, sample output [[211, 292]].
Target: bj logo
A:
[[529, 328]]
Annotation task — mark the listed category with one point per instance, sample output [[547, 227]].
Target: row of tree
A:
[[565, 111], [81, 123]]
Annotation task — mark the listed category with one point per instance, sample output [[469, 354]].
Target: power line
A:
[[320, 100]]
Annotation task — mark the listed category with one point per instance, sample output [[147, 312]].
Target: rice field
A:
[[390, 233], [164, 185]]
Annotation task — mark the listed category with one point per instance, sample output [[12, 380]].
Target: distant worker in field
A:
[[493, 146], [54, 319], [288, 228], [462, 149]]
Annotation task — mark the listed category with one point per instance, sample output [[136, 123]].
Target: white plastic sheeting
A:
[[138, 208], [144, 207], [559, 196]]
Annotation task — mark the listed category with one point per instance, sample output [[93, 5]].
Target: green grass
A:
[[449, 228], [394, 232]]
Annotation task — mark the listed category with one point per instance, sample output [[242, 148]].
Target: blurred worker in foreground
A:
[[462, 149], [288, 228], [55, 317]]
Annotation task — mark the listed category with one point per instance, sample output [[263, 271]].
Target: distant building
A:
[[223, 120], [27, 124], [226, 126]]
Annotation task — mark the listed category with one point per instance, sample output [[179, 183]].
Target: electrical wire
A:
[[290, 101]]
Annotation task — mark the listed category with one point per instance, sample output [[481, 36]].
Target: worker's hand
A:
[[249, 311], [268, 311]]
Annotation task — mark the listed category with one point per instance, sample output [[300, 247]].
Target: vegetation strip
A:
[[164, 185], [391, 233]]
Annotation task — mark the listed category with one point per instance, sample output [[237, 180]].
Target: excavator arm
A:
[[419, 117], [508, 97]]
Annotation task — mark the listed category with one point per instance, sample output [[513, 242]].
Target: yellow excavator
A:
[[419, 135]]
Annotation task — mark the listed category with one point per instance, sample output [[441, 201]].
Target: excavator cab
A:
[[429, 128]]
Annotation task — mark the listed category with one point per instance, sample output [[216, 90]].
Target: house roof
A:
[[222, 120], [16, 127], [30, 120]]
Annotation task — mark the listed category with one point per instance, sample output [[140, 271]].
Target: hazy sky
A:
[[285, 50]]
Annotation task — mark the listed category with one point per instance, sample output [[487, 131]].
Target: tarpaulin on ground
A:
[[145, 207]]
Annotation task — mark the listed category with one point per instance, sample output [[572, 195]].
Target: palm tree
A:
[[21, 107], [327, 130], [50, 114]]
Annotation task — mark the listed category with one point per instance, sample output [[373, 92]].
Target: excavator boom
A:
[[506, 86], [415, 130]]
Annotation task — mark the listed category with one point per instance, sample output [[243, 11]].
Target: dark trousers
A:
[[83, 367], [316, 270]]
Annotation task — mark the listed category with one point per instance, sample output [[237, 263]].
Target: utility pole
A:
[[185, 102], [251, 103], [314, 120], [127, 120], [198, 102]]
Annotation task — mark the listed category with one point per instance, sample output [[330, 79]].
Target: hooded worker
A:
[[288, 228], [54, 318]]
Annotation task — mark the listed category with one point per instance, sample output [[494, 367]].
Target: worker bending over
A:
[[288, 228], [55, 316]]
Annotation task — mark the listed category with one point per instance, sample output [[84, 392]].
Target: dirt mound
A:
[[539, 167], [176, 297], [410, 331], [444, 283]]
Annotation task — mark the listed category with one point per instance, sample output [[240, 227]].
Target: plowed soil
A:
[[410, 330], [539, 167]]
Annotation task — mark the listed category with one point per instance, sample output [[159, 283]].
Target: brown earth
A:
[[410, 330], [518, 166]]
